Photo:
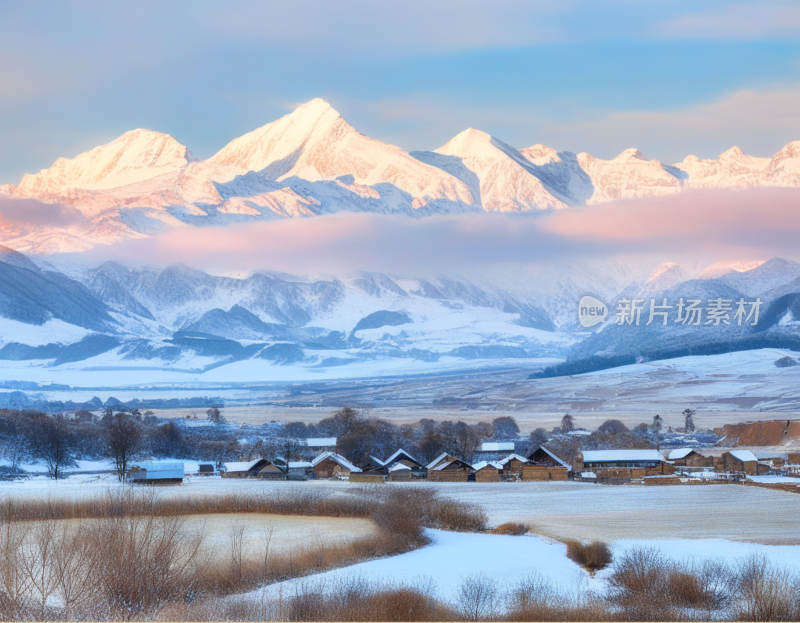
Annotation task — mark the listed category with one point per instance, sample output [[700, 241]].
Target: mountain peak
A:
[[630, 155], [135, 156], [469, 143]]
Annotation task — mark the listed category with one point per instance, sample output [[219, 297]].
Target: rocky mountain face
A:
[[312, 162]]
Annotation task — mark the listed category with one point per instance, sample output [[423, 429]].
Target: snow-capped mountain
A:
[[313, 162]]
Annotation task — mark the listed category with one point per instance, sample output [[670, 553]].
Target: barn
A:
[[512, 465], [242, 469], [332, 465], [156, 473], [689, 457]]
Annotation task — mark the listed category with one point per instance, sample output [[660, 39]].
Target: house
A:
[[156, 473], [442, 458], [400, 472], [450, 470], [512, 465], [332, 465], [242, 469], [543, 456], [273, 471], [542, 464], [371, 464], [490, 450], [689, 457], [487, 471], [312, 446], [738, 461], [593, 459], [205, 469], [401, 456]]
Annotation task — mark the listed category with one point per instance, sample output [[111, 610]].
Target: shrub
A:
[[513, 528], [593, 556]]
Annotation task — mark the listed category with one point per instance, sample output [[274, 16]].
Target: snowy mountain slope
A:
[[506, 179], [312, 162]]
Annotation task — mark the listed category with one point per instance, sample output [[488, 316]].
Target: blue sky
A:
[[670, 78]]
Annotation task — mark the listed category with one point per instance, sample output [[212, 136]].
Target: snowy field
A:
[[453, 557], [559, 510]]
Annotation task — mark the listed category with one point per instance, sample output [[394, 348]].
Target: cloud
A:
[[736, 20], [729, 224], [758, 122], [33, 214]]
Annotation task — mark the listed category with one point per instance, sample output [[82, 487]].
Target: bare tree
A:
[[51, 441], [505, 427], [567, 423], [124, 441]]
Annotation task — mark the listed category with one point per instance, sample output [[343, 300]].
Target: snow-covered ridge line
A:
[[312, 162]]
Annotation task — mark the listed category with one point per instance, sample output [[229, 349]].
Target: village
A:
[[649, 467]]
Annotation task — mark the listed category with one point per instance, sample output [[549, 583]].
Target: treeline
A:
[[20, 400], [123, 435]]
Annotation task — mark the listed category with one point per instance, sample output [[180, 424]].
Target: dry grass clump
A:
[[534, 598], [592, 556], [442, 513], [126, 502], [513, 528]]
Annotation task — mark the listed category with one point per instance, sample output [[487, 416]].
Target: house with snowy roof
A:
[[740, 461], [512, 464], [332, 465], [450, 469], [242, 469], [487, 471], [689, 457], [401, 456]]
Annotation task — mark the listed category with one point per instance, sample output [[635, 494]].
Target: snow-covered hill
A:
[[313, 162]]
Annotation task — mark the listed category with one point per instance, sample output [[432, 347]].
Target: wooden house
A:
[[273, 471], [442, 458], [738, 461], [156, 473], [487, 471], [454, 470], [332, 465], [512, 465], [542, 464], [689, 457], [242, 469], [400, 472], [401, 456]]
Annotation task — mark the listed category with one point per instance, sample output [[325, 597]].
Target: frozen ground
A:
[[561, 510], [508, 559]]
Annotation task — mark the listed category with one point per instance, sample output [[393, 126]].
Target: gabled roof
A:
[[599, 456], [377, 460], [744, 455], [241, 466], [511, 457], [448, 463], [482, 464], [433, 463], [680, 453], [552, 456], [398, 453], [398, 467], [336, 458]]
